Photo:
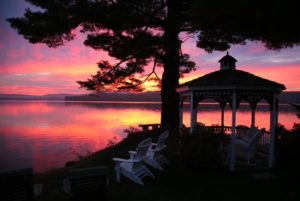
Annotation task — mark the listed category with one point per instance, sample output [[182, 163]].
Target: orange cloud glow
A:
[[288, 75], [36, 69]]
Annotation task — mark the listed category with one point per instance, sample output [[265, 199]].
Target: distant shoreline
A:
[[285, 97], [263, 104]]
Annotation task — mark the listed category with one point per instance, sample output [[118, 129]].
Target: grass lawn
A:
[[178, 181]]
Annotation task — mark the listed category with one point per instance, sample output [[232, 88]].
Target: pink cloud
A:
[[16, 89], [189, 47], [16, 53], [35, 90], [287, 75], [251, 48], [74, 61], [36, 84]]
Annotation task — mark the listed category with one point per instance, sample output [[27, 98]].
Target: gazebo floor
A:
[[260, 165]]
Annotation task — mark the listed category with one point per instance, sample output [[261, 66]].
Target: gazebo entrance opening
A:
[[231, 86]]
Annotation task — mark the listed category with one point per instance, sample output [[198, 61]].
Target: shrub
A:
[[288, 147], [201, 150]]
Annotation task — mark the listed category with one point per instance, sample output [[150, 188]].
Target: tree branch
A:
[[153, 71], [161, 22], [117, 65], [151, 15], [160, 8]]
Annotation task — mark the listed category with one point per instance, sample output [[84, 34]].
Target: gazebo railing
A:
[[219, 129], [227, 130], [265, 139]]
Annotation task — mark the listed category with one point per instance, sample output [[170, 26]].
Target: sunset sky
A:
[[36, 69]]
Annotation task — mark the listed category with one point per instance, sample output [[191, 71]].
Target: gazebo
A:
[[229, 85]]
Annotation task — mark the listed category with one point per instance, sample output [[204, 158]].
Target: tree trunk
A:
[[170, 77]]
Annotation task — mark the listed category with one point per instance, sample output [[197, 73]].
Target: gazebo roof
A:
[[239, 78], [228, 77]]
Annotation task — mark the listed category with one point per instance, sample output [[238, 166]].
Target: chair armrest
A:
[[153, 145], [245, 139], [159, 149], [37, 189], [67, 186], [124, 160], [241, 142], [241, 145], [132, 153]]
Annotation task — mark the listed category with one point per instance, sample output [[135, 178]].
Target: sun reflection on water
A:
[[45, 135]]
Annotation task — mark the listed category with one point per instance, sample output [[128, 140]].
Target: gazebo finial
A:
[[227, 62]]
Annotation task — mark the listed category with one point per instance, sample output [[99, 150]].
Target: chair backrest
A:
[[242, 130], [17, 185], [141, 152], [142, 149], [254, 140], [252, 131], [162, 139], [88, 183], [250, 134]]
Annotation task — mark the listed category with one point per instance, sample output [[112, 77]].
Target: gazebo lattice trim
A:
[[233, 93]]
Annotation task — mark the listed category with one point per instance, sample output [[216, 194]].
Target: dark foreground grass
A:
[[178, 181]]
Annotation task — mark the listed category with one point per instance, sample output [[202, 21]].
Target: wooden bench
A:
[[18, 185], [146, 127], [87, 183]]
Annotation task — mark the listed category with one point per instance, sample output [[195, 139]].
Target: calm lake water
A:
[[45, 135]]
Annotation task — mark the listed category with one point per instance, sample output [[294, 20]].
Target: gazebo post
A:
[[192, 112], [222, 117], [253, 107], [222, 104], [276, 111], [273, 119], [195, 112], [181, 112], [232, 150]]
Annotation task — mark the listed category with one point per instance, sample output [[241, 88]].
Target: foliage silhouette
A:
[[139, 33], [288, 146]]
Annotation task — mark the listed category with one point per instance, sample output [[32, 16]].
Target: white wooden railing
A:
[[227, 130]]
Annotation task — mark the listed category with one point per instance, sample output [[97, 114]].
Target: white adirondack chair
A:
[[134, 168], [154, 156], [245, 147]]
